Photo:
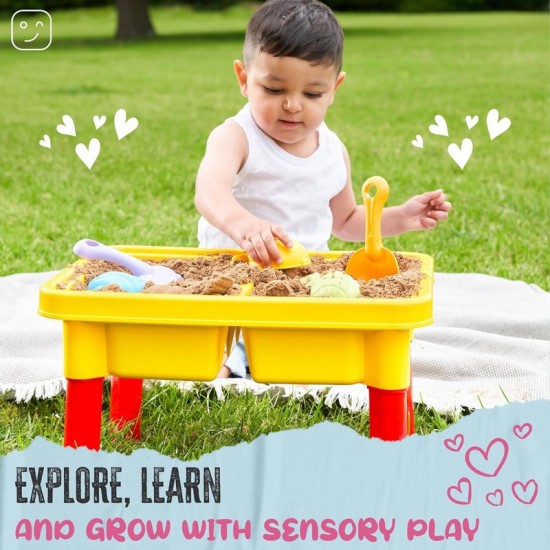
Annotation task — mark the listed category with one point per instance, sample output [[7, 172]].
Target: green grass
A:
[[401, 71], [190, 424]]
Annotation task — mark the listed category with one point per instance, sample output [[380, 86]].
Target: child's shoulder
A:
[[230, 138], [227, 130]]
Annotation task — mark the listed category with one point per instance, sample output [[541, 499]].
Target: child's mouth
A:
[[290, 123]]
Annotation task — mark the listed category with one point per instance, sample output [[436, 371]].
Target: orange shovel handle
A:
[[373, 214]]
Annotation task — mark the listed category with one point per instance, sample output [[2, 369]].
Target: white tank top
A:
[[290, 191]]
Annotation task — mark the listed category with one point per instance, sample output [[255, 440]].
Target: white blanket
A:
[[490, 344]]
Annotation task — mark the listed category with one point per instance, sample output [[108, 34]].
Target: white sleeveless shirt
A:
[[290, 191]]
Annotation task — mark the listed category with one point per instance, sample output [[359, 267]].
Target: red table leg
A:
[[410, 411], [388, 414], [126, 403], [83, 413], [410, 407]]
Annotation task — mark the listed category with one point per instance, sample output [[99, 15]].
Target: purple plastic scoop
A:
[[92, 250]]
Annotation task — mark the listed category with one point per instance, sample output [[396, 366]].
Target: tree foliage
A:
[[11, 6]]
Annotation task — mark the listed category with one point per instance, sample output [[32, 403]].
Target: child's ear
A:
[[339, 79], [240, 71]]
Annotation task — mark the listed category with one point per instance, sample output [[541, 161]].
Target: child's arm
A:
[[419, 212], [226, 153]]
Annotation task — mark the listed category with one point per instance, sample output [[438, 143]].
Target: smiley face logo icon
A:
[[31, 30]]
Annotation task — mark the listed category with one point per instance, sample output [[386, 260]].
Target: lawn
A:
[[402, 70]]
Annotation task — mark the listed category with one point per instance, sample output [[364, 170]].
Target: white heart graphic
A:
[[45, 142], [124, 127], [496, 126], [68, 127], [461, 155], [418, 142], [471, 121], [88, 155], [99, 121], [440, 128]]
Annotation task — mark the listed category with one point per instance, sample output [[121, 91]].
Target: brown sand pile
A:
[[83, 274], [219, 275]]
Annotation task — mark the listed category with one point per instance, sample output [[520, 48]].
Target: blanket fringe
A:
[[354, 398], [25, 392]]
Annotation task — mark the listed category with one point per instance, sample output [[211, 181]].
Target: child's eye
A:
[[312, 95], [272, 90]]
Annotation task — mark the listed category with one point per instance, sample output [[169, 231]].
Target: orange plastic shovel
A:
[[374, 261]]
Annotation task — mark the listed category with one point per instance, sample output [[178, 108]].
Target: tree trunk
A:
[[133, 20]]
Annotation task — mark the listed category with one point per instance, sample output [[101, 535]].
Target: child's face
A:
[[288, 98]]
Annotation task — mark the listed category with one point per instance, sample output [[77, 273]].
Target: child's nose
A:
[[292, 104]]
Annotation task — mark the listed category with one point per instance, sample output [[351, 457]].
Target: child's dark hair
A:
[[306, 29]]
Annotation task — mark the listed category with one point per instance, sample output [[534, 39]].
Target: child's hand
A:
[[257, 239], [425, 211]]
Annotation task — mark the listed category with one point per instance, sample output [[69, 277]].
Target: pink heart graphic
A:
[[461, 493], [525, 492], [454, 444], [523, 430], [496, 498], [487, 462]]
